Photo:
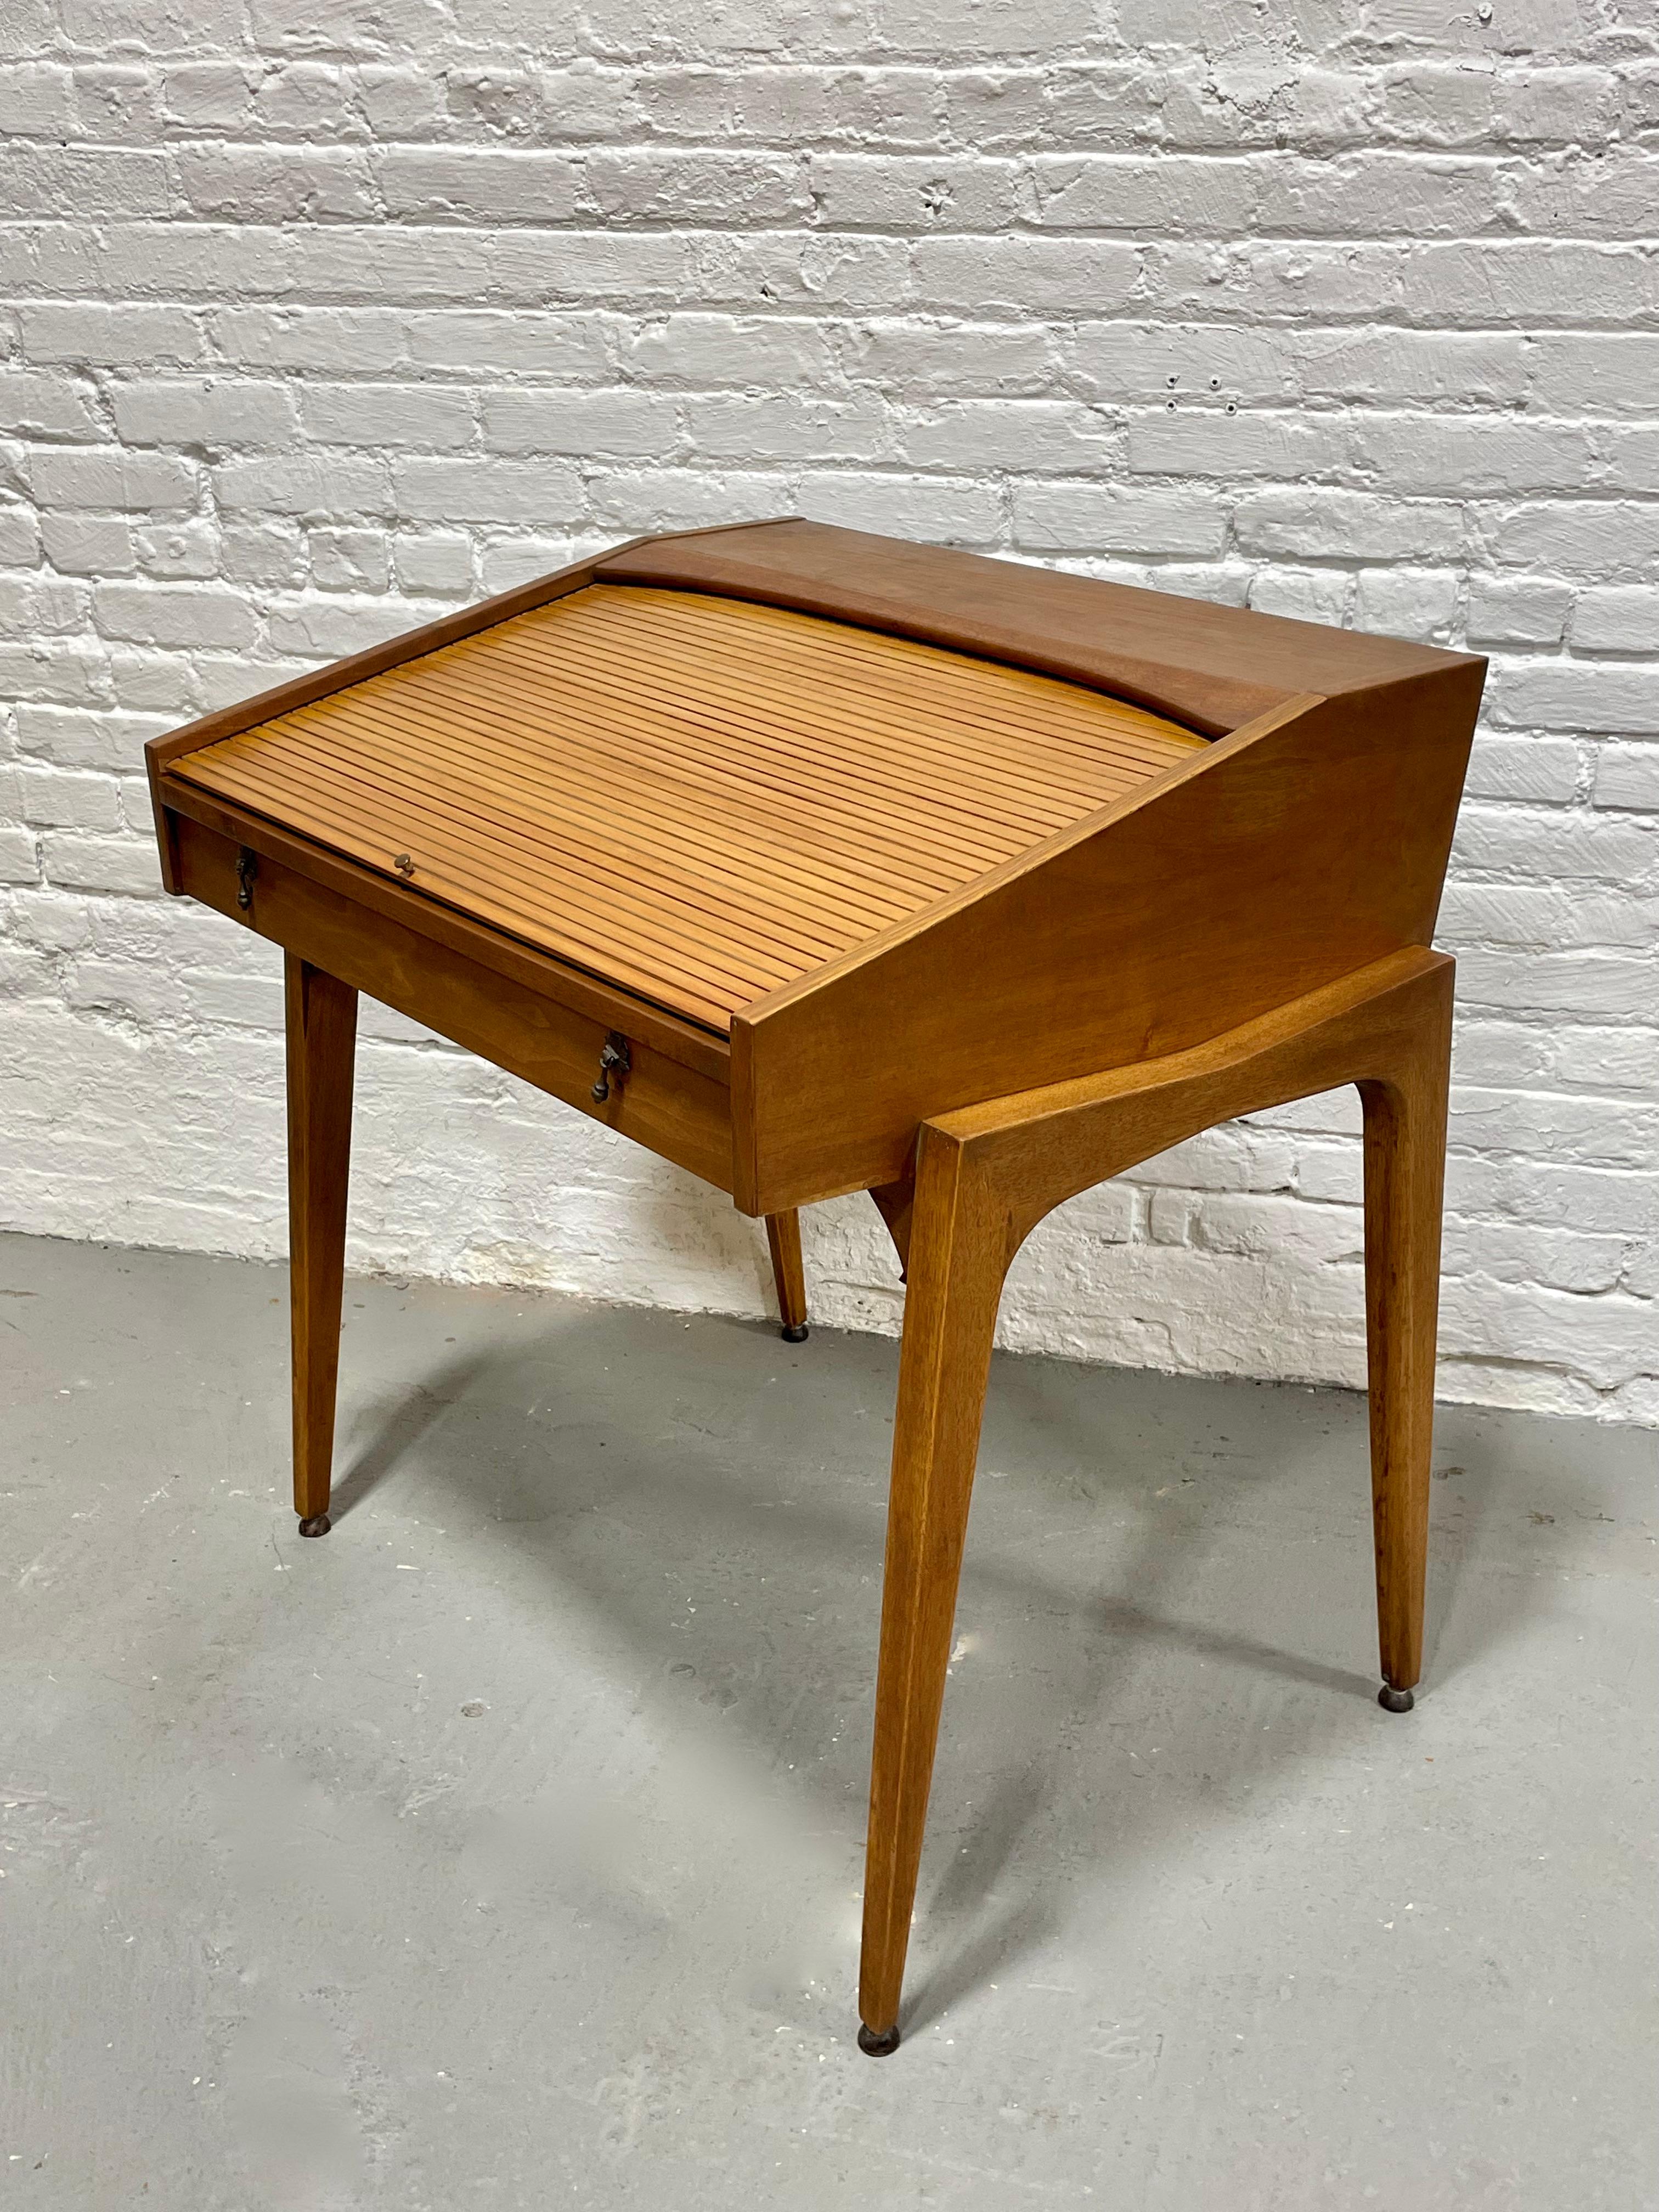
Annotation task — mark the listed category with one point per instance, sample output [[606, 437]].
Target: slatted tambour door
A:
[[700, 799]]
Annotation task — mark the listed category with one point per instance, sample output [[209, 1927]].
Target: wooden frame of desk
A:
[[1251, 924]]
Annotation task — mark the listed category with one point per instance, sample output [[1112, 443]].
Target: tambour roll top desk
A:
[[819, 862]]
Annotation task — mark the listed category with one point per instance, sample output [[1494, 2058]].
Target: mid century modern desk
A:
[[819, 862]]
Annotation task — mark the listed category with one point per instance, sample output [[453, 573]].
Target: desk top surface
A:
[[700, 799]]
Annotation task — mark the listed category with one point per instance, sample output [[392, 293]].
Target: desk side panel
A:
[[670, 1108], [1281, 860]]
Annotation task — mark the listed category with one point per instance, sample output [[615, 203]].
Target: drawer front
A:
[[672, 1109]]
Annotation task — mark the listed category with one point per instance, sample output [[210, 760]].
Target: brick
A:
[[173, 615], [1627, 777], [1536, 770], [78, 738], [1616, 620], [1517, 610], [439, 185], [1574, 695], [1024, 276], [744, 427], [349, 559], [170, 551], [1594, 373], [1508, 841], [1204, 442], [604, 425], [1592, 538], [1420, 604], [123, 864], [1112, 518], [923, 361], [627, 500], [345, 27], [718, 191], [1497, 284], [1030, 436], [1302, 594], [1418, 454], [953, 29], [33, 404], [330, 629], [54, 799], [437, 562], [952, 510], [215, 411], [289, 184], [141, 483], [487, 490], [19, 860], [20, 538], [695, 350], [903, 108], [261, 552], [305, 484], [854, 191], [1380, 366], [1559, 983], [1129, 360], [1106, 192], [420, 418], [72, 675], [215, 95], [82, 181], [37, 101]]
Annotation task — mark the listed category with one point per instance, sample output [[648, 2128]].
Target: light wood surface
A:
[[700, 799], [982, 1179]]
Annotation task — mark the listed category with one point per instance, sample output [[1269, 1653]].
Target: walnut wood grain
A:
[[870, 865], [674, 1110], [322, 1031], [1211, 668], [1295, 851], [788, 1273]]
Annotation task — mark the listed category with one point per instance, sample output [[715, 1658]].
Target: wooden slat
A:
[[703, 798]]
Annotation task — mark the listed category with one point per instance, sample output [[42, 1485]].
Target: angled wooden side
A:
[[1299, 849], [1215, 668]]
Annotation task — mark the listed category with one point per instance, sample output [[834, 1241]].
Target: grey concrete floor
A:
[[504, 1847]]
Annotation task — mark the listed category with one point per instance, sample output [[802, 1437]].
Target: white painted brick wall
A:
[[320, 318]]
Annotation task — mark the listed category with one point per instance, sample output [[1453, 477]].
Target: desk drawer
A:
[[681, 1112]]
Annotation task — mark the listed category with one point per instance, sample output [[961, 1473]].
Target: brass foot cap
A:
[[317, 1524], [878, 2046], [1394, 1701], [797, 1335]]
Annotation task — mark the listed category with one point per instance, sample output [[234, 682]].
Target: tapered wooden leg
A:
[[1404, 1180], [958, 1254], [322, 1027], [783, 1235]]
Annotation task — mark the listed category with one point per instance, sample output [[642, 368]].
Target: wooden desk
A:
[[819, 862]]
